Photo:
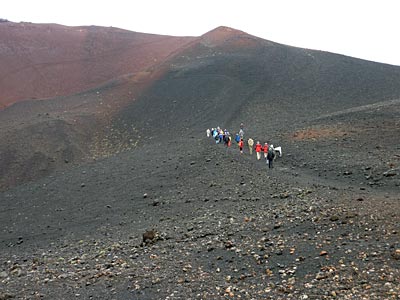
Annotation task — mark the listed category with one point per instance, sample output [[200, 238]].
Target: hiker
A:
[[226, 139], [214, 133], [271, 156], [241, 133], [250, 142], [237, 138], [216, 136], [221, 136], [241, 145], [265, 149], [258, 150], [208, 131]]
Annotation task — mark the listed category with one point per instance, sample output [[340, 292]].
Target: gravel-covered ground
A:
[[225, 226]]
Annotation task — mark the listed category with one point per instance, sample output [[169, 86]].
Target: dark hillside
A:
[[245, 79], [223, 78], [39, 137]]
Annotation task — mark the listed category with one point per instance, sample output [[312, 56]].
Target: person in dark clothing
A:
[[271, 156], [226, 139]]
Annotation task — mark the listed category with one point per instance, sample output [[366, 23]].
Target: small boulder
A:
[[149, 236], [396, 254], [334, 218], [390, 173], [323, 253]]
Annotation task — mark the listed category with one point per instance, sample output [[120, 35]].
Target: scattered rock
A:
[[229, 244], [149, 236], [334, 218], [284, 195], [323, 253], [321, 275], [390, 173], [5, 296], [396, 254]]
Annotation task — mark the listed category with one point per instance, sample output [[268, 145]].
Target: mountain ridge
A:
[[225, 70], [116, 192]]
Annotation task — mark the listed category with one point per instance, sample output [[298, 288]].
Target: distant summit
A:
[[222, 31], [221, 35]]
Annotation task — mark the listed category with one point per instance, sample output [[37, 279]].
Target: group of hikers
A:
[[223, 136]]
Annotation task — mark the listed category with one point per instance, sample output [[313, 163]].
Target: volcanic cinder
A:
[[103, 141]]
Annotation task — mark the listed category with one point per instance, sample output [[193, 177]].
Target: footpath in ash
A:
[[228, 227]]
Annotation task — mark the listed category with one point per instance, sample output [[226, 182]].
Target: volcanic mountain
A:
[[128, 84], [49, 60], [102, 138]]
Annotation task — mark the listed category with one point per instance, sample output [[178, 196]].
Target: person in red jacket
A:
[[241, 145], [258, 148], [265, 149]]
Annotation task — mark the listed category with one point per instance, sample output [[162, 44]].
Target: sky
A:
[[367, 29]]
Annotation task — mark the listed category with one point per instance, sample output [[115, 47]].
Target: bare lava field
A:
[[86, 172]]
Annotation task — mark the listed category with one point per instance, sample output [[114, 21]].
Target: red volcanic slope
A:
[[49, 60], [228, 37]]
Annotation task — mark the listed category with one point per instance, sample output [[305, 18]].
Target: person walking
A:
[[241, 133], [237, 138], [208, 131], [220, 136], [258, 148], [250, 142], [241, 146], [271, 156], [226, 139], [265, 149]]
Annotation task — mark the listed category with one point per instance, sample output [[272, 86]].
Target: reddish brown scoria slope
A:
[[50, 60], [229, 39]]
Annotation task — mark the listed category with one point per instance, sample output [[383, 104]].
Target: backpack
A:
[[271, 153]]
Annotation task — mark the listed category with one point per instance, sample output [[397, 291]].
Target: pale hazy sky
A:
[[365, 29]]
